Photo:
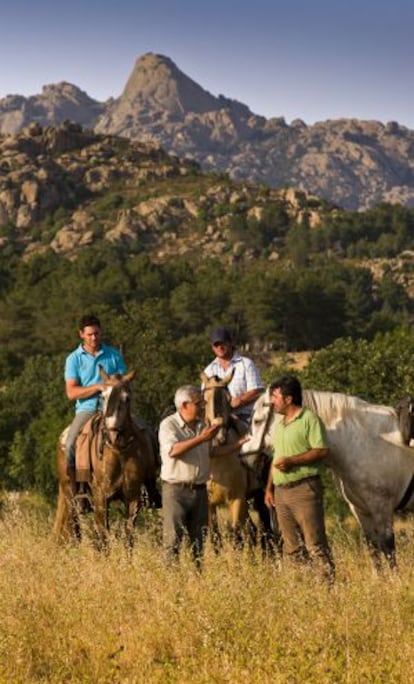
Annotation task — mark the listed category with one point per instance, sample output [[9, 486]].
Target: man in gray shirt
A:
[[185, 457]]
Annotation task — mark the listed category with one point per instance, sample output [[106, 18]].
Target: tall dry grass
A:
[[70, 614]]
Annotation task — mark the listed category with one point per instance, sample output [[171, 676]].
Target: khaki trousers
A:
[[301, 519]]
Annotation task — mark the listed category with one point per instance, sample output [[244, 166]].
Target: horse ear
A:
[[129, 376], [204, 378], [104, 374]]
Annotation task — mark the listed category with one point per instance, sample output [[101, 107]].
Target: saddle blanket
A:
[[83, 450]]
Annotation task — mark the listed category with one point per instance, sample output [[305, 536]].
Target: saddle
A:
[[83, 448]]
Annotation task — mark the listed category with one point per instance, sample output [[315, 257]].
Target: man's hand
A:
[[283, 464], [268, 499], [209, 432]]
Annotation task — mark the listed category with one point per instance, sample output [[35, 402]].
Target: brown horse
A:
[[122, 457], [239, 477], [229, 479]]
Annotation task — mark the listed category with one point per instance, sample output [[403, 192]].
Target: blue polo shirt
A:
[[84, 367]]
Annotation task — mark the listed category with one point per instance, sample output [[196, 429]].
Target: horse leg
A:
[[153, 466], [131, 511], [214, 528], [270, 537], [60, 525], [238, 517], [66, 524], [379, 534], [100, 517]]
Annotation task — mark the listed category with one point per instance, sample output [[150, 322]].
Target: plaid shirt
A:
[[246, 377]]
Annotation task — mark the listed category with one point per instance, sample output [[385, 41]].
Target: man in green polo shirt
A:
[[294, 486]]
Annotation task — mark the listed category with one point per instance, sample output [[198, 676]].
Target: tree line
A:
[[160, 315], [263, 302]]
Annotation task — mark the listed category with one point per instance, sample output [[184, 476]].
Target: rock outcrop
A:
[[66, 188], [56, 103]]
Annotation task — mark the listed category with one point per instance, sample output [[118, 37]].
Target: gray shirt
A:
[[194, 465]]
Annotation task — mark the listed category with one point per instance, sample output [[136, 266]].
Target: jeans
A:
[[76, 426]]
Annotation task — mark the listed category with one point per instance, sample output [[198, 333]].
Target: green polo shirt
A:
[[305, 432]]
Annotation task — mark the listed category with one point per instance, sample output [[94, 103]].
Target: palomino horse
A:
[[230, 481], [372, 466], [122, 457]]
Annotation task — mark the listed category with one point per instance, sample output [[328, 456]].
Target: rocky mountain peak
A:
[[64, 90], [56, 103], [156, 82], [352, 163]]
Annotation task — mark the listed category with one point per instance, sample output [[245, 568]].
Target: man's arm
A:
[[227, 449], [246, 398], [75, 391], [269, 490], [311, 456], [181, 447], [254, 385]]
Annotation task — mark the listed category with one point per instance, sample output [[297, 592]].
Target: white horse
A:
[[373, 468]]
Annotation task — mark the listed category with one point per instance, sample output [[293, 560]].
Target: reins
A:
[[104, 433], [268, 418]]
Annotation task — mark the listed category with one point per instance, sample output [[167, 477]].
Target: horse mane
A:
[[329, 403], [213, 381], [334, 408]]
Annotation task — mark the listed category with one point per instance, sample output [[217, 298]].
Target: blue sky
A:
[[308, 59]]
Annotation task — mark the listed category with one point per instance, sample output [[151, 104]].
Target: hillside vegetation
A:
[[162, 253], [63, 189]]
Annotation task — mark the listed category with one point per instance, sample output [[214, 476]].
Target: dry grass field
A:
[[70, 614]]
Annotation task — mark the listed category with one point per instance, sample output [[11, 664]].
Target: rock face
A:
[[65, 188], [57, 103], [156, 84], [355, 164]]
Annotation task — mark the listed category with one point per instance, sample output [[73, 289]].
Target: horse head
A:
[[217, 410], [260, 433], [116, 396], [405, 413]]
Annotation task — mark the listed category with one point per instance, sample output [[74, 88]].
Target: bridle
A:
[[220, 403], [115, 436]]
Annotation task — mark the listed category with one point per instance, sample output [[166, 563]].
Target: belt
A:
[[186, 485], [295, 483]]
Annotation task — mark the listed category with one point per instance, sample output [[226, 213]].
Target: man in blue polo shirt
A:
[[84, 385], [83, 380]]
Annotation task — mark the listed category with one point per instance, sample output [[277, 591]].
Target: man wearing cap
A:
[[246, 384]]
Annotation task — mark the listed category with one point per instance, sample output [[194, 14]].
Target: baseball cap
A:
[[220, 335]]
